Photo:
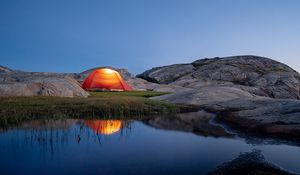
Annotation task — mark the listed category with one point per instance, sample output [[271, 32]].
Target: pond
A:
[[156, 146]]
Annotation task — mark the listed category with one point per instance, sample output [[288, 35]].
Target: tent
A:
[[105, 79], [105, 127]]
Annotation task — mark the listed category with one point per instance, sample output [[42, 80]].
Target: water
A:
[[126, 147]]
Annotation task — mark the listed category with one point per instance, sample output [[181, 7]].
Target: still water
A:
[[126, 147]]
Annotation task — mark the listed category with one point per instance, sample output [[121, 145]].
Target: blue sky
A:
[[73, 35]]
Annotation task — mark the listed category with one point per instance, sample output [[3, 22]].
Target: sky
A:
[[75, 35]]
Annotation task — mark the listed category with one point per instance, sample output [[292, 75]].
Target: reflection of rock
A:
[[105, 127], [197, 122], [252, 163], [44, 124]]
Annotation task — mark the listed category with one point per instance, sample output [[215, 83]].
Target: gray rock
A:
[[205, 95], [140, 84], [255, 94], [39, 84], [261, 116], [257, 75], [5, 70], [167, 74]]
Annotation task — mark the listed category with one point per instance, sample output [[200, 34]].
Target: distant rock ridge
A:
[[5, 69]]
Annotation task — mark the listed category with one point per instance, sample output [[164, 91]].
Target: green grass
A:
[[127, 93], [99, 104]]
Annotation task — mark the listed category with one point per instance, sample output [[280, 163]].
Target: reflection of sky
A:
[[141, 147], [72, 35]]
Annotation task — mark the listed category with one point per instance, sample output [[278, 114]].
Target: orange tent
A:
[[105, 79], [105, 127]]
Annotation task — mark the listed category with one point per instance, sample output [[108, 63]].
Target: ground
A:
[[98, 104]]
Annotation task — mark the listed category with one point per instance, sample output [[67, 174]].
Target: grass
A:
[[99, 104], [127, 94]]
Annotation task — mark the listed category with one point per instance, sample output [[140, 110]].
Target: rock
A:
[[196, 122], [5, 70], [261, 116], [205, 95], [257, 75], [39, 84], [254, 94], [249, 163], [166, 74]]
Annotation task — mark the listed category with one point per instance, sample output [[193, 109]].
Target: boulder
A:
[[257, 75], [166, 74], [39, 84], [261, 116], [205, 95]]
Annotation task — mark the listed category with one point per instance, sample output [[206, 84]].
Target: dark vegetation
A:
[[98, 105]]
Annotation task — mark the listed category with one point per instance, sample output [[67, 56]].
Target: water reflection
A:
[[196, 122], [153, 146], [106, 127]]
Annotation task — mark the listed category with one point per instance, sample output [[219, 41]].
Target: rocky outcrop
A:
[[261, 116], [140, 84], [249, 163], [205, 95], [39, 84], [255, 94], [166, 74], [5, 70], [257, 75]]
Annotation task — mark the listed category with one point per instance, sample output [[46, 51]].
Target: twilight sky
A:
[[73, 35]]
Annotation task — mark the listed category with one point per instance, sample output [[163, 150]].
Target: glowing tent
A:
[[105, 127], [105, 79]]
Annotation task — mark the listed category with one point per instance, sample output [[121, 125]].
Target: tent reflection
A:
[[105, 127]]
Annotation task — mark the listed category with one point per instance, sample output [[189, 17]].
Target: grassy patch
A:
[[127, 94], [99, 104]]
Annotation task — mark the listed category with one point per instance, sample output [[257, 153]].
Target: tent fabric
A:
[[105, 79]]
